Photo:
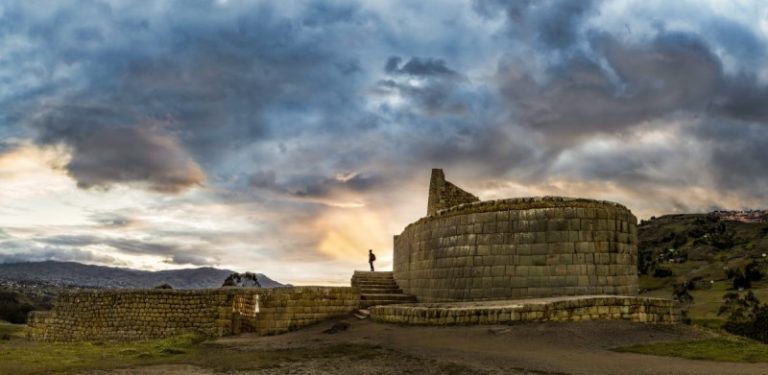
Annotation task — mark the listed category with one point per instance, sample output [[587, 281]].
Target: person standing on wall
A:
[[371, 258]]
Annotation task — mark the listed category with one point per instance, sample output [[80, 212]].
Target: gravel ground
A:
[[530, 348]]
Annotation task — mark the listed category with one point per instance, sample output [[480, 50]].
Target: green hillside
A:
[[700, 249]]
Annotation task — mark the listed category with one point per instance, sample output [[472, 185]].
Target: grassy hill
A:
[[700, 248]]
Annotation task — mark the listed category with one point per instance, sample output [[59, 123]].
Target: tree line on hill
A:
[[735, 251]]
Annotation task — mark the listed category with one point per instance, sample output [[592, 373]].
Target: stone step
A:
[[376, 285], [392, 297], [372, 278], [372, 275], [381, 291], [378, 288], [380, 302]]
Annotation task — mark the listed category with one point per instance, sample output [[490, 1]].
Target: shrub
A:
[[746, 316], [13, 310], [662, 272], [247, 279], [645, 262], [742, 278], [722, 241], [753, 271], [680, 291], [741, 281]]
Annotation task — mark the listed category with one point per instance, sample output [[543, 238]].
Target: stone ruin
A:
[[470, 250], [467, 262], [497, 262]]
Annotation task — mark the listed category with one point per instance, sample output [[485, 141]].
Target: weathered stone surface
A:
[[519, 248], [130, 315], [443, 194], [605, 307]]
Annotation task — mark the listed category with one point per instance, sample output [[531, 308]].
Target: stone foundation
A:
[[638, 309], [131, 315]]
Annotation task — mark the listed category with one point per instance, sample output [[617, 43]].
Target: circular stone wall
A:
[[519, 248]]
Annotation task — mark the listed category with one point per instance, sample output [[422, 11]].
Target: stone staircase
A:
[[379, 288]]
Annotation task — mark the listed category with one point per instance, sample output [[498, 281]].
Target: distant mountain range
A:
[[71, 274]]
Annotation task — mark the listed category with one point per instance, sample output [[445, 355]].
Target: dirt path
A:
[[539, 348]]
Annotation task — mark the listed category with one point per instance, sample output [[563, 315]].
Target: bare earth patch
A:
[[372, 348]]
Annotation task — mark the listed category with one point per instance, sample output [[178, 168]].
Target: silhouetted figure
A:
[[371, 258]]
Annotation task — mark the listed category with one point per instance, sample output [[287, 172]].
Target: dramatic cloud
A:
[[142, 155], [290, 137], [418, 67], [553, 24], [638, 83]]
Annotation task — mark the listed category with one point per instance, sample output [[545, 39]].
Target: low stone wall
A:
[[285, 309], [519, 248], [131, 315], [638, 309]]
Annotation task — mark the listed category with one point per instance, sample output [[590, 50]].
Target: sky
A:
[[289, 137]]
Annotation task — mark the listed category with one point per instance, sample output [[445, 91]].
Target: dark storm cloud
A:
[[320, 14], [315, 186], [211, 82], [672, 73], [321, 187], [264, 180], [418, 67], [741, 97], [553, 24], [738, 40], [438, 92], [594, 81], [104, 154], [271, 105], [17, 251], [194, 260], [739, 155], [607, 82], [124, 245], [434, 97]]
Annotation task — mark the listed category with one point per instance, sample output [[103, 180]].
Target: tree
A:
[[680, 291], [746, 316], [247, 279]]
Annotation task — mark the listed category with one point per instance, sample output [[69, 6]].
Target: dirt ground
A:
[[531, 348]]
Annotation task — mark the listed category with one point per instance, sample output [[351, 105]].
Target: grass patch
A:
[[716, 349], [707, 302], [10, 331], [231, 359], [19, 356]]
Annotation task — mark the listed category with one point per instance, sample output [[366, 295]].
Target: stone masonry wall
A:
[[130, 315], [638, 309], [443, 194], [280, 312], [519, 248]]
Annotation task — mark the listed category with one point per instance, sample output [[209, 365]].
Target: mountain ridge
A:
[[73, 274]]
